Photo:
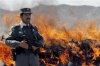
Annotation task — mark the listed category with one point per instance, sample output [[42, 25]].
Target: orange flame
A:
[[51, 30]]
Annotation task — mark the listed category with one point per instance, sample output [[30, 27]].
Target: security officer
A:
[[24, 55]]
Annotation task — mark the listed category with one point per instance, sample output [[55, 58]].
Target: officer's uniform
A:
[[24, 57]]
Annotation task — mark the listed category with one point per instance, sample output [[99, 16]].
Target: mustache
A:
[[28, 18]]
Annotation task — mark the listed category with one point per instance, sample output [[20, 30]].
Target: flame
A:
[[50, 29], [96, 51], [64, 57], [5, 54]]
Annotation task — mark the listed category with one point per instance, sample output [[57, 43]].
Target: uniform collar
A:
[[22, 24]]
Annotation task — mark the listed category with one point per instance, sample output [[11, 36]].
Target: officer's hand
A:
[[23, 44]]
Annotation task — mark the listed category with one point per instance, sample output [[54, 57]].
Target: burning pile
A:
[[74, 52], [63, 46], [62, 52], [5, 54]]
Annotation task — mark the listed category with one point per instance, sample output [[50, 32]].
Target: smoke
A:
[[3, 28], [13, 5], [91, 12], [18, 4]]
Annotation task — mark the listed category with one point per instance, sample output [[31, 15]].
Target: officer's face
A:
[[26, 17]]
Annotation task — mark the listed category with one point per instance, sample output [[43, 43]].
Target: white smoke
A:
[[95, 3], [3, 28], [91, 12], [18, 4]]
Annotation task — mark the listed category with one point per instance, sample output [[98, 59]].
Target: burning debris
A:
[[63, 46], [78, 53], [61, 52], [5, 54]]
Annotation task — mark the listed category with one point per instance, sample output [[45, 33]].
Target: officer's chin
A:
[[28, 21]]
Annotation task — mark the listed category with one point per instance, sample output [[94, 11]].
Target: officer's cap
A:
[[26, 10]]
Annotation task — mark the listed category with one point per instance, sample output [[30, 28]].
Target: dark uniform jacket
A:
[[20, 32]]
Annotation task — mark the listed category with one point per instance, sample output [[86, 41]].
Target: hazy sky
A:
[[17, 4], [80, 2]]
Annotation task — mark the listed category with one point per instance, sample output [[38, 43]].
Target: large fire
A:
[[5, 54], [58, 35]]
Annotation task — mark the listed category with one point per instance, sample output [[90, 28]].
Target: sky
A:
[[18, 4], [80, 2]]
